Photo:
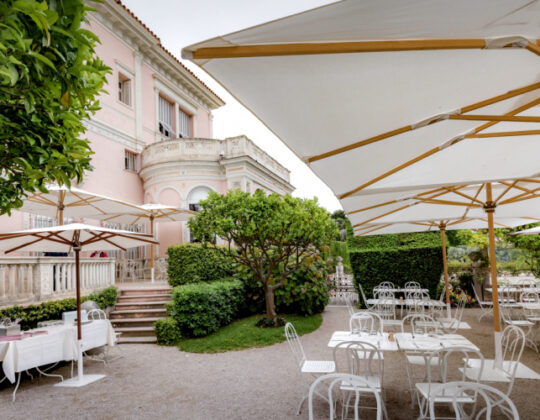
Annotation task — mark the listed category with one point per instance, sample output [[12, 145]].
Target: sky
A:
[[179, 23]]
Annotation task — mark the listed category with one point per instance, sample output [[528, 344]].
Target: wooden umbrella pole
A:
[[489, 208], [152, 248], [61, 208], [442, 228], [78, 291]]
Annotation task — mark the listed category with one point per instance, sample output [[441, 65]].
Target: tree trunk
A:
[[270, 305]]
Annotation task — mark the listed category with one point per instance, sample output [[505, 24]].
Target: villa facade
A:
[[152, 138]]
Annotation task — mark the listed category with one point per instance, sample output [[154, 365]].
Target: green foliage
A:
[[49, 82], [396, 240], [195, 263], [243, 334], [340, 249], [530, 243], [304, 292], [31, 315], [343, 224], [200, 309], [400, 265], [269, 233], [167, 331]]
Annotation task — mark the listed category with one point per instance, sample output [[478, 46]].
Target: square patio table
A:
[[381, 342], [428, 342]]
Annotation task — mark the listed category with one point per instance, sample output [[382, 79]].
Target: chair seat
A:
[[424, 388], [488, 374], [392, 322], [373, 381], [520, 322], [486, 303], [318, 366], [421, 360]]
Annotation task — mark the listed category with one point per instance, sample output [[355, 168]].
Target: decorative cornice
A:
[[114, 134]]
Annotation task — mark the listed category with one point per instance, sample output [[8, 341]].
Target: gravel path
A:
[[153, 382]]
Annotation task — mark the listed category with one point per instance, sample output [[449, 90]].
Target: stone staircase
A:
[[135, 312]]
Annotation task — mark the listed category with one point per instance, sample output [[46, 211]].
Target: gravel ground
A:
[[161, 382]]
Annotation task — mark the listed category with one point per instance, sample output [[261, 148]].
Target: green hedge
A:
[[194, 263], [373, 266], [31, 315], [396, 240], [201, 309], [167, 331]]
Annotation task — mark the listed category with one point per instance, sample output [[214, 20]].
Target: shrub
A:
[[167, 331], [31, 315], [400, 265], [305, 292], [195, 263], [200, 309]]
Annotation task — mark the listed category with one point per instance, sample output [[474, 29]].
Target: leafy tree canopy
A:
[[266, 233], [49, 82]]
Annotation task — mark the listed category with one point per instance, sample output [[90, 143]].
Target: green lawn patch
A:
[[243, 334]]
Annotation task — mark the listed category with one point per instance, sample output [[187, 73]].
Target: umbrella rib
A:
[[375, 229], [508, 118], [508, 188], [433, 151], [473, 199], [503, 134], [410, 127], [475, 196], [40, 238]]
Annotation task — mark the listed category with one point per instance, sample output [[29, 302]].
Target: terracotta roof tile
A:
[[166, 50]]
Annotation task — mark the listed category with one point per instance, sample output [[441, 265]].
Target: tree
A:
[[530, 243], [49, 82], [344, 225], [268, 234]]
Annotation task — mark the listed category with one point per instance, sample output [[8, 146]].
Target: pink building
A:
[[152, 137]]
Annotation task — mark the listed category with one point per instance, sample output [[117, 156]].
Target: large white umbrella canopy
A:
[[377, 93], [73, 237]]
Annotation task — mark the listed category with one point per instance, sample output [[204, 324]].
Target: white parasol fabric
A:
[[144, 212], [531, 231], [377, 93]]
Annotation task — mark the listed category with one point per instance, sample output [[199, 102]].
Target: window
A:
[[184, 124], [165, 117], [195, 196], [130, 161], [124, 89]]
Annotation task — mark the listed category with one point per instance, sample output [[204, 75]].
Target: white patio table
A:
[[59, 344], [381, 342], [427, 342]]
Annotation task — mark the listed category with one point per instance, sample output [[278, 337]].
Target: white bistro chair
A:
[[332, 383], [307, 367], [486, 306]]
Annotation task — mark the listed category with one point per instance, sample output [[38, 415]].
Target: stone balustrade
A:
[[26, 280]]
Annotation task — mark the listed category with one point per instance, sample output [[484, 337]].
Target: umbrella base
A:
[[76, 382]]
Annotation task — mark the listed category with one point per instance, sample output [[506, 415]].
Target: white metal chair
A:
[[368, 307], [428, 392], [486, 306], [365, 321], [412, 285], [364, 360], [516, 316], [386, 309], [450, 325], [307, 367], [485, 399], [350, 306], [96, 314], [332, 383]]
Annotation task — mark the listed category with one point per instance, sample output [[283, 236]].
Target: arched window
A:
[[196, 195]]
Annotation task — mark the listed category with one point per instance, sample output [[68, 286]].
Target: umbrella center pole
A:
[[442, 228], [152, 249]]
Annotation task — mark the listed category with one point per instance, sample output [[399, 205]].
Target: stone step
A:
[[145, 291], [144, 298], [134, 322], [137, 340], [138, 313], [136, 331], [141, 305]]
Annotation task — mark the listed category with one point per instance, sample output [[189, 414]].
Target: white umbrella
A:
[[153, 212], [67, 238], [73, 202], [531, 231]]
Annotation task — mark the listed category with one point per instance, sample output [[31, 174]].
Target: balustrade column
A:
[[12, 290], [3, 269]]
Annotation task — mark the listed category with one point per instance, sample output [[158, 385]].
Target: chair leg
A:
[[300, 405], [16, 387]]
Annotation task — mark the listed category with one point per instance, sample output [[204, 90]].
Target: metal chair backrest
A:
[[94, 314], [386, 285], [513, 343], [529, 297], [486, 400], [332, 383], [359, 358], [363, 295], [368, 322], [412, 285], [462, 356], [350, 306], [294, 344]]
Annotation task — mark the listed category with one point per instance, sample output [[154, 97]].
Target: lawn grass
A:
[[243, 334]]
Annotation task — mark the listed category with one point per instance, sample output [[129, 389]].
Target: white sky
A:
[[184, 22]]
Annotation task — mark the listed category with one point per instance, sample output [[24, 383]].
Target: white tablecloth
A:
[[59, 344], [381, 342], [424, 342]]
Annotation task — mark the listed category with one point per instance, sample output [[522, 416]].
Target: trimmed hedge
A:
[[194, 263], [31, 315], [167, 331], [373, 266], [201, 309]]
